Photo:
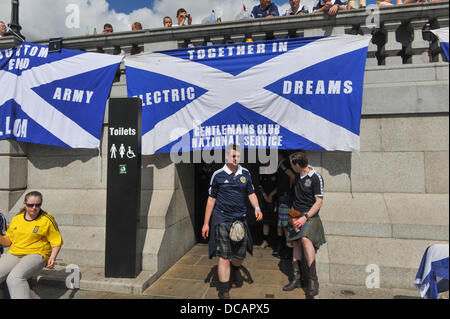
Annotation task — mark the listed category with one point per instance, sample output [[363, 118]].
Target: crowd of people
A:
[[267, 9]]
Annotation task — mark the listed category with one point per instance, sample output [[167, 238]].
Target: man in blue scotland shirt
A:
[[266, 9], [230, 187]]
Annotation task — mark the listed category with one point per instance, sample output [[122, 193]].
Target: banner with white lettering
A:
[[54, 98], [442, 35], [303, 93]]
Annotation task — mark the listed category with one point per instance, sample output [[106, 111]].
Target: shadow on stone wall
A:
[[47, 157]]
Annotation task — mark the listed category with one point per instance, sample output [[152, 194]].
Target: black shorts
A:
[[226, 248]]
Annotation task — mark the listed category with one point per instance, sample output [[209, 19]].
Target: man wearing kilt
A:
[[285, 180], [306, 231], [225, 208]]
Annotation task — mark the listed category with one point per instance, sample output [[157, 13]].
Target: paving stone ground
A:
[[194, 275]]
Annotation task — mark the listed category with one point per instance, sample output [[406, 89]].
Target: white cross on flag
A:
[[303, 93], [54, 98]]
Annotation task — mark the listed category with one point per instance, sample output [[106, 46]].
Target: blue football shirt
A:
[[231, 191], [257, 12]]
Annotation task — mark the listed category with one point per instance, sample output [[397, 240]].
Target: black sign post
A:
[[122, 258]]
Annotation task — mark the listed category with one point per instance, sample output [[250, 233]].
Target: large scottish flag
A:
[[303, 93], [442, 35], [54, 98]]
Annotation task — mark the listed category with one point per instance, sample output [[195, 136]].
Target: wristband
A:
[[257, 208]]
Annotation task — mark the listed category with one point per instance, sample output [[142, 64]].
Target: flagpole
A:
[[14, 26]]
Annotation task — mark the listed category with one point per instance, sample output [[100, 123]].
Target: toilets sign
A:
[[123, 140], [123, 188]]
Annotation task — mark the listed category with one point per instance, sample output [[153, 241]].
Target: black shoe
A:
[[224, 295], [224, 290]]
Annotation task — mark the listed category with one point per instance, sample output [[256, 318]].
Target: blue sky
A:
[[129, 5]]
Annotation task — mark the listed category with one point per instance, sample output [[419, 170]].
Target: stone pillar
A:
[[167, 211]]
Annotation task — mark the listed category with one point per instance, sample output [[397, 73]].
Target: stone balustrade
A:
[[400, 34]]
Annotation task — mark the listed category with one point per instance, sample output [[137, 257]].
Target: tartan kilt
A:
[[313, 230], [283, 213]]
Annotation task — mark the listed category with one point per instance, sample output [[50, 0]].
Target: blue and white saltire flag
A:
[[434, 265], [442, 35], [54, 98], [303, 93]]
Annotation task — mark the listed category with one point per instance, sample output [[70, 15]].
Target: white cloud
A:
[[44, 19]]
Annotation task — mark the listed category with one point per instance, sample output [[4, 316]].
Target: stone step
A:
[[93, 278]]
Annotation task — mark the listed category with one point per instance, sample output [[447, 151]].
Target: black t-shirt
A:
[[306, 188]]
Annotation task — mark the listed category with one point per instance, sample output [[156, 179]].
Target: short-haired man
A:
[[107, 28], [330, 6], [296, 8], [2, 28], [306, 231], [229, 188], [265, 9], [167, 22], [182, 16]]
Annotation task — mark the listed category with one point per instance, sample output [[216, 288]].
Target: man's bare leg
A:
[[223, 270], [310, 254]]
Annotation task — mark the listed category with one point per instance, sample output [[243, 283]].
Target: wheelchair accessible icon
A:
[[130, 153]]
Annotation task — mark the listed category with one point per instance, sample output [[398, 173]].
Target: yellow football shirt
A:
[[30, 237]]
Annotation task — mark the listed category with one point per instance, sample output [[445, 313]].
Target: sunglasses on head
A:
[[32, 205]]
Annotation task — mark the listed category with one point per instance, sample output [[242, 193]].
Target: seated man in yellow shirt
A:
[[34, 241]]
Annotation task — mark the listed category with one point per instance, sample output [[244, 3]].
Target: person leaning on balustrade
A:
[[183, 17], [351, 4], [107, 28], [34, 242], [416, 1], [167, 22], [386, 3], [136, 49], [296, 8], [265, 9], [331, 7], [2, 29], [136, 26]]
